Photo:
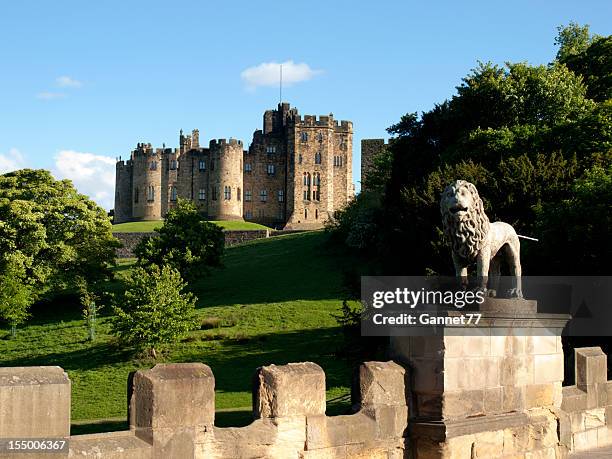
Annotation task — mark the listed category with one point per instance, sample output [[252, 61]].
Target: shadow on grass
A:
[[98, 427]]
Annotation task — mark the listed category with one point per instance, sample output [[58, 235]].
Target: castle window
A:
[[238, 196], [248, 167], [317, 179], [248, 214], [260, 213], [172, 193], [316, 214], [263, 195], [281, 195], [318, 158], [173, 165], [305, 179], [305, 214], [281, 214], [153, 165], [202, 194], [338, 160], [300, 158], [227, 193], [304, 137], [270, 150], [136, 193], [202, 165], [271, 169], [150, 193], [248, 195], [320, 137], [215, 193]]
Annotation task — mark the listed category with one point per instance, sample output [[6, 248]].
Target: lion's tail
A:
[[528, 238]]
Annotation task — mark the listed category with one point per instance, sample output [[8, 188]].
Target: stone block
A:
[[501, 345], [34, 402], [463, 404], [513, 398], [604, 436], [111, 445], [548, 368], [546, 344], [591, 367], [289, 390], [574, 399], [586, 439], [594, 418], [477, 343], [391, 421], [516, 370], [488, 444], [493, 400], [429, 404], [382, 383], [173, 395], [539, 395]]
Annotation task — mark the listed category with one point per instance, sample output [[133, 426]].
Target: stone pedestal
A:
[[486, 390]]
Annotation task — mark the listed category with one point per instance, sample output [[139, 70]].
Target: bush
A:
[[186, 241], [154, 310]]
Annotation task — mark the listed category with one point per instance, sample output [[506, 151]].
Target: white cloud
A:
[[11, 161], [48, 95], [92, 175], [68, 82], [268, 74]]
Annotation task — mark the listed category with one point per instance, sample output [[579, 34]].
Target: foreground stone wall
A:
[[172, 412]]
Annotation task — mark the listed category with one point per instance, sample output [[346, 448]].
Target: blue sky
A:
[[83, 82]]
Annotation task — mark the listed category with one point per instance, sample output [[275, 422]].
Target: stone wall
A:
[[172, 412], [232, 237]]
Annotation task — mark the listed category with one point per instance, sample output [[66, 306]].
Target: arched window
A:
[[227, 193], [318, 158], [172, 193], [304, 137], [305, 179]]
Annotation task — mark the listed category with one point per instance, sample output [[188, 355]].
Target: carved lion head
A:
[[463, 217]]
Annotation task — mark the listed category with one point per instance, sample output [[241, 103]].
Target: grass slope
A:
[[148, 226], [272, 302]]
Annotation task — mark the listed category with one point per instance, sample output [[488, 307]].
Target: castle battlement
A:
[[220, 142]]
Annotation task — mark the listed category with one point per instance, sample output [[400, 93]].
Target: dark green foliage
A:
[[16, 295], [56, 233], [186, 241], [154, 310], [525, 136]]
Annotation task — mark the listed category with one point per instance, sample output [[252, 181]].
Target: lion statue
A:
[[474, 239]]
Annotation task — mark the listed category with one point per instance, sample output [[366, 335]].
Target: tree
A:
[[154, 310], [572, 39], [91, 306], [16, 296], [58, 233], [186, 241]]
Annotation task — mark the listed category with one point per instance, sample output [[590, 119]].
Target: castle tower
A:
[[123, 191], [147, 193], [226, 180]]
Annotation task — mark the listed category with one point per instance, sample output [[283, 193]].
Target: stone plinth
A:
[[491, 377]]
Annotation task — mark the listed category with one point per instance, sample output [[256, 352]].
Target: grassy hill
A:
[[148, 226], [272, 302]]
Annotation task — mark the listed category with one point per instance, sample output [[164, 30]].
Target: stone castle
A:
[[295, 174]]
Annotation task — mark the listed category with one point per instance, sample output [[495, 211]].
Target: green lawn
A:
[[274, 301], [144, 227]]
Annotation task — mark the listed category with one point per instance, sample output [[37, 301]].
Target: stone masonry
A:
[[296, 173]]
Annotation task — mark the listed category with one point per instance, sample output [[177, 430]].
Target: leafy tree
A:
[[91, 302], [57, 233], [186, 241], [16, 296], [572, 39], [524, 135], [154, 310]]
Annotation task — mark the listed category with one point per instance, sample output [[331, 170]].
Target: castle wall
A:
[[123, 192], [295, 175]]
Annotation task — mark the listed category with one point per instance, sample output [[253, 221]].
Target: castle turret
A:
[[226, 179], [123, 192]]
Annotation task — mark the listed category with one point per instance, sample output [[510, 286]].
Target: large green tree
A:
[[59, 234], [186, 241], [525, 135]]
